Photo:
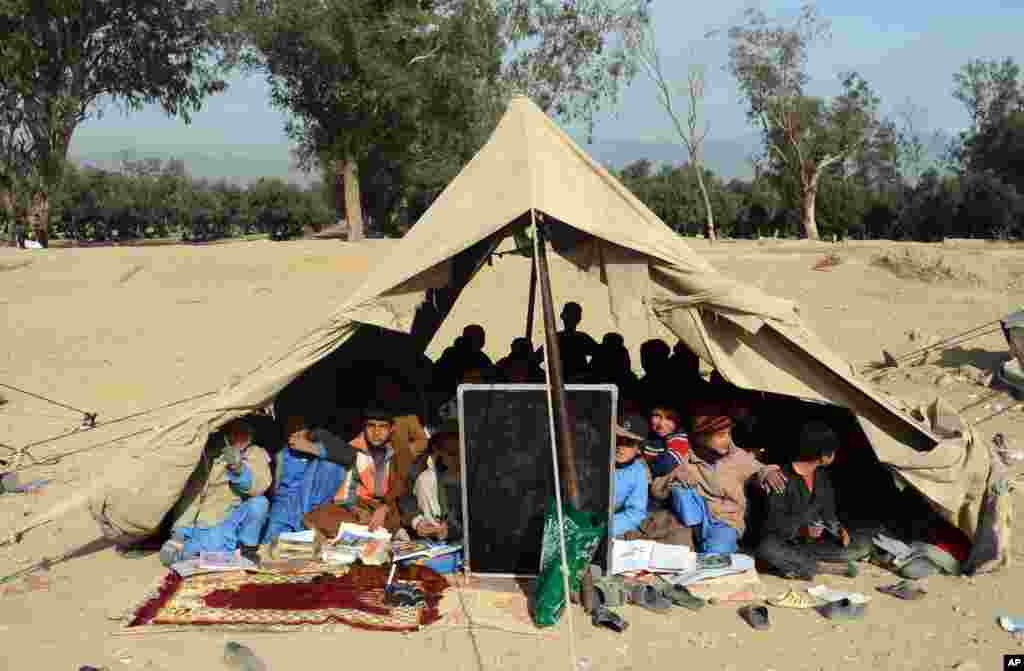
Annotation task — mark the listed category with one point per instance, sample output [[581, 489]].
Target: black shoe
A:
[[602, 617], [251, 552]]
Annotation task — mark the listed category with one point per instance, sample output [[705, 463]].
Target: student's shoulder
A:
[[678, 440], [257, 452]]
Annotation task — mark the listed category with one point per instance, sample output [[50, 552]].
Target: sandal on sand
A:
[[602, 617], [680, 596], [904, 589], [648, 596], [844, 609], [609, 592], [794, 599], [755, 616]]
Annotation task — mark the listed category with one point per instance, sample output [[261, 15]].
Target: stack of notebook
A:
[[295, 545]]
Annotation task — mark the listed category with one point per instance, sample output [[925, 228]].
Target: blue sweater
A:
[[630, 498]]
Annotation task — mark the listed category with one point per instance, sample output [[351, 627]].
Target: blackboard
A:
[[508, 468]]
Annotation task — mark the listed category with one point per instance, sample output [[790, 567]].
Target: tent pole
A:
[[567, 453], [532, 300]]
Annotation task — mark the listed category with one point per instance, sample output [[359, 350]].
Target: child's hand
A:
[[377, 518], [686, 474], [813, 532]]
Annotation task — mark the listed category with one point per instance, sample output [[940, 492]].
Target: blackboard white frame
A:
[[610, 388]]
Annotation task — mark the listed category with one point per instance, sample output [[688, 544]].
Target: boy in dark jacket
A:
[[801, 535]]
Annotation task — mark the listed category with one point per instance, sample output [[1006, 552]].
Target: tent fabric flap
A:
[[134, 505]]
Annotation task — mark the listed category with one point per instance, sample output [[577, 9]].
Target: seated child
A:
[[223, 508], [310, 469], [674, 444], [433, 507], [801, 533], [371, 489], [630, 484], [707, 489]]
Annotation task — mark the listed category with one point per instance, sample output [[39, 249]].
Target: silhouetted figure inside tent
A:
[[612, 365], [467, 352], [520, 365], [690, 387], [577, 347], [658, 382]]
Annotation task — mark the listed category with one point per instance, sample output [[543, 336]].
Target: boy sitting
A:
[[223, 508], [371, 489], [433, 509], [801, 532], [630, 484], [309, 471], [707, 490]]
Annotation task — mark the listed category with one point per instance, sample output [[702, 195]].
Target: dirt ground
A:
[[120, 330]]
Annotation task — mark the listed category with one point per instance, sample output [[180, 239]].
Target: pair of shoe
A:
[[403, 594], [173, 551], [680, 596]]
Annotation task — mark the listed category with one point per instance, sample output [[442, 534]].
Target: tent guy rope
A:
[[89, 418], [24, 451], [985, 329]]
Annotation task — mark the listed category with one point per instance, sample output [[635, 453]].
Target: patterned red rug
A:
[[354, 597]]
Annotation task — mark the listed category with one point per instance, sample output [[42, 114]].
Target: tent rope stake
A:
[[89, 416], [23, 452]]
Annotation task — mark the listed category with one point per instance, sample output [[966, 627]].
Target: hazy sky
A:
[[904, 48]]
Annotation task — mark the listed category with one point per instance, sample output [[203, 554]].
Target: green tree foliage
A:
[[60, 60], [387, 92], [150, 198], [396, 95], [803, 136]]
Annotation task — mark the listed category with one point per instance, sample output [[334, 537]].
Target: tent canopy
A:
[[531, 169]]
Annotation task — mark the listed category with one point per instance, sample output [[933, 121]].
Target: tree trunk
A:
[[353, 205], [339, 189], [710, 227], [39, 217], [7, 213], [808, 196]]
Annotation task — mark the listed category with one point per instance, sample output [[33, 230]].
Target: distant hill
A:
[[247, 163], [727, 158], [237, 164]]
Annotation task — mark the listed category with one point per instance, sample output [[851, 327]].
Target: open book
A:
[[371, 547], [418, 549], [212, 562], [641, 555], [738, 563]]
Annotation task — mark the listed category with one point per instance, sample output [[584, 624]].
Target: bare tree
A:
[[691, 132], [803, 135]]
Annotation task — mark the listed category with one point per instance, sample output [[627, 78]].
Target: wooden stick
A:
[[567, 451], [533, 301]]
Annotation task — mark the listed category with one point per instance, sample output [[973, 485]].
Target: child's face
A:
[[719, 442], [661, 423], [626, 451]]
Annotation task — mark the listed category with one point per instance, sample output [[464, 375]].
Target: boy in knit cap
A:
[[707, 490]]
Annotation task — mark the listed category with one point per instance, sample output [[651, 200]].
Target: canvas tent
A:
[[530, 168]]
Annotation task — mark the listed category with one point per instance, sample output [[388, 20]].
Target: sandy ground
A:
[[122, 330]]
